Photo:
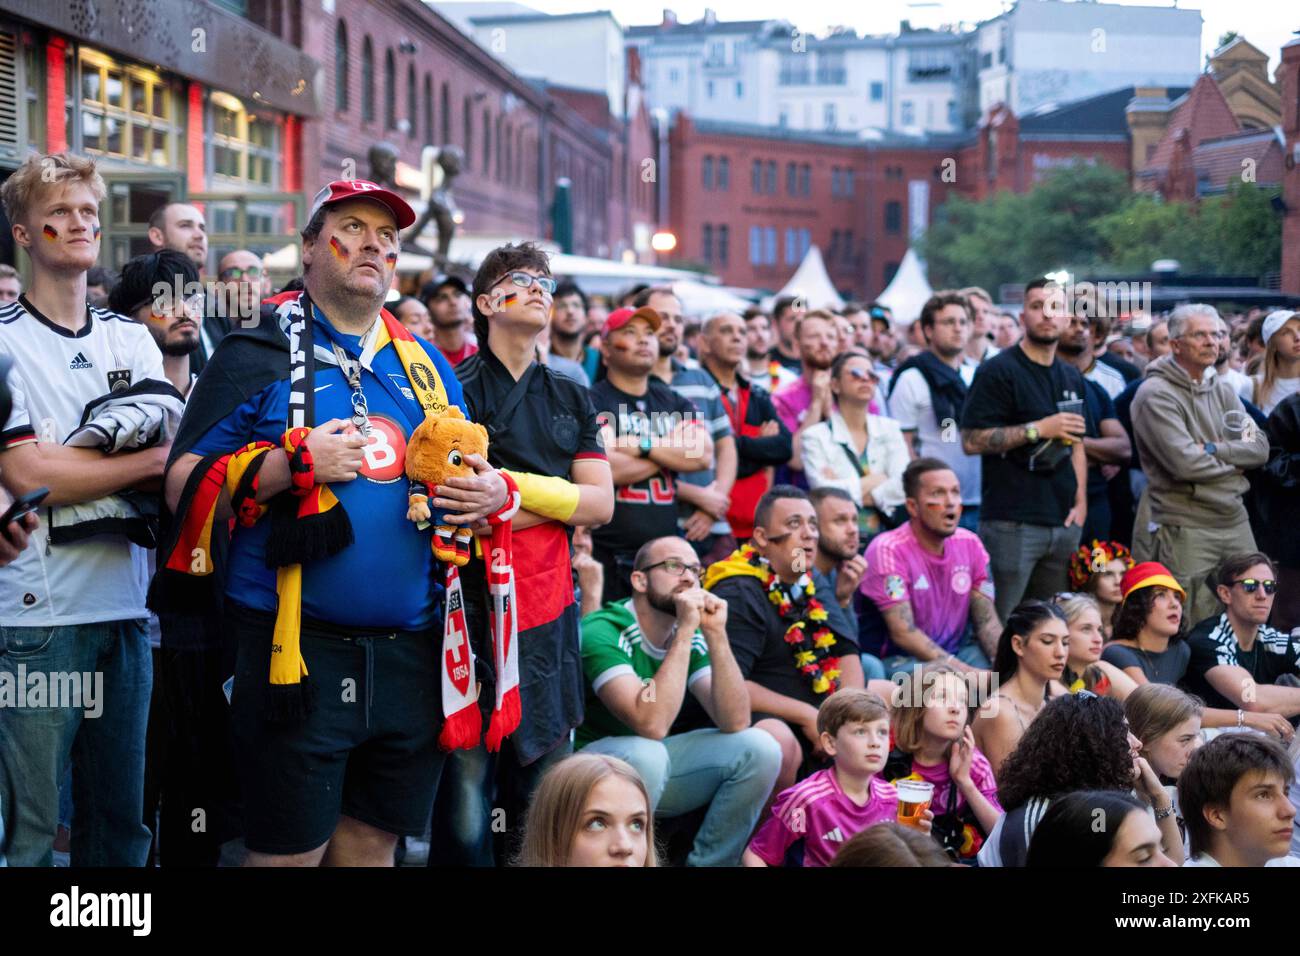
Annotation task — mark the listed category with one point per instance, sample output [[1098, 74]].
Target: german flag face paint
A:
[[336, 247], [98, 231], [391, 258], [51, 234], [510, 298]]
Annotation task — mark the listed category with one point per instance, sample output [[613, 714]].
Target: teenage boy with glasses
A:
[[1238, 661], [640, 656]]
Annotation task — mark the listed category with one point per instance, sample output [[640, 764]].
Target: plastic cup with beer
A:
[[913, 800]]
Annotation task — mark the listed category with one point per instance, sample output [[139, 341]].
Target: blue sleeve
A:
[[235, 430]]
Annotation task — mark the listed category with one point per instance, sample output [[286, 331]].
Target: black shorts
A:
[[369, 748]]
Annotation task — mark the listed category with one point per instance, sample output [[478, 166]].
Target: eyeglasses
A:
[[675, 567], [252, 272], [1249, 585], [524, 280]]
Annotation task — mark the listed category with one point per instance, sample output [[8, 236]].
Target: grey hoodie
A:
[[1173, 417]]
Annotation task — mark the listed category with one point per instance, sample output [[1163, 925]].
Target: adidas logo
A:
[[835, 836], [80, 361]]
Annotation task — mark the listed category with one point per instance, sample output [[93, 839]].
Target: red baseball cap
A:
[[342, 189], [621, 317]]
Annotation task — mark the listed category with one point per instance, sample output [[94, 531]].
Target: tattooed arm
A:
[[992, 441], [984, 620], [904, 633]]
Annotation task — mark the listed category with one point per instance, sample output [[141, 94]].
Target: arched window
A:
[[341, 68], [411, 116], [390, 90], [367, 82]]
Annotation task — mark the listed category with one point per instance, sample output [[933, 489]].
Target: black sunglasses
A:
[[1250, 584]]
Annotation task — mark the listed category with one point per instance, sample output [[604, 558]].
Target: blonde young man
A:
[[75, 607]]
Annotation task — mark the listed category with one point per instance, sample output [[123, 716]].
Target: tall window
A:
[[893, 217], [723, 237], [341, 67], [244, 145], [769, 245], [848, 182], [757, 176], [500, 168], [835, 181], [508, 140], [724, 175], [706, 173], [412, 116], [428, 108], [367, 82], [828, 115], [390, 90], [468, 145], [770, 180], [487, 142], [755, 246], [847, 247], [791, 247], [706, 243], [834, 249], [877, 91], [446, 116], [791, 178], [805, 180]]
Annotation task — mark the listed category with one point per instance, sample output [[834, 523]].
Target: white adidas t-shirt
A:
[[56, 373]]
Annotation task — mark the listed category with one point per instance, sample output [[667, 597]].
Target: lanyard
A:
[[351, 369]]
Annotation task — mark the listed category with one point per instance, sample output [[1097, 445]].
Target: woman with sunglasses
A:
[[862, 453], [1149, 646], [1237, 660]]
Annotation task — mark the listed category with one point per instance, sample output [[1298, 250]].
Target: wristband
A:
[[302, 470], [1241, 718], [507, 510], [1166, 812]]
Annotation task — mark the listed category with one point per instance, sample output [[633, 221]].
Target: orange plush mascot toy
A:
[[437, 451]]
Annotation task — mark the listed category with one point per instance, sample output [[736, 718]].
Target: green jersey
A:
[[612, 645]]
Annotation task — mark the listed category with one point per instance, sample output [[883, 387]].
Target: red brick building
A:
[[1290, 78]]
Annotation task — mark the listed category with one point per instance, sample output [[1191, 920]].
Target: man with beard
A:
[[1025, 415], [569, 327], [808, 401], [759, 367], [671, 636], [246, 279], [173, 323], [188, 757], [1106, 443], [786, 312], [929, 579], [181, 227], [838, 561], [762, 442], [651, 434], [449, 307], [980, 347], [927, 393], [705, 495]]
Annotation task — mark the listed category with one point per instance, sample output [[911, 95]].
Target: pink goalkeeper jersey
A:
[[816, 811]]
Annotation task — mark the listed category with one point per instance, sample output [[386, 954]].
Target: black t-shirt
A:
[[645, 509], [1214, 644], [1166, 667], [757, 636], [793, 364], [1034, 483], [1099, 408]]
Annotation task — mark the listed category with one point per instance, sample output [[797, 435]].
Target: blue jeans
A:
[[106, 750], [731, 773], [968, 652]]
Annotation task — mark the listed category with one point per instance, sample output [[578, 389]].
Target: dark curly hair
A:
[[1130, 615], [1077, 742]]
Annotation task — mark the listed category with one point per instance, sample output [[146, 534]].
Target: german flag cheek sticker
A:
[[391, 258], [51, 234], [336, 247], [98, 231], [510, 298]]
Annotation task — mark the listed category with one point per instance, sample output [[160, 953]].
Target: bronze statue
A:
[[442, 165]]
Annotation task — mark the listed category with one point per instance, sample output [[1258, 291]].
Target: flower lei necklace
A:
[[809, 638]]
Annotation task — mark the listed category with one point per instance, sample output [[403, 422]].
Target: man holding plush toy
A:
[[296, 439]]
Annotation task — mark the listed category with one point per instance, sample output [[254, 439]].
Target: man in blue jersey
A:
[[298, 430]]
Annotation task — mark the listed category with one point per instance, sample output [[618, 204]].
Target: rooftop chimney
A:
[[670, 18], [710, 17]]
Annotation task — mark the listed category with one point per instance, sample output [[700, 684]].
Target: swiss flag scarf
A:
[[463, 723]]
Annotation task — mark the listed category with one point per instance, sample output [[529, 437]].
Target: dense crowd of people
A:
[[798, 587]]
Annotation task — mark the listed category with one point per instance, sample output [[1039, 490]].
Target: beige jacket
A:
[[1173, 418]]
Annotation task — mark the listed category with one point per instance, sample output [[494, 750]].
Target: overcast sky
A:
[[1264, 22]]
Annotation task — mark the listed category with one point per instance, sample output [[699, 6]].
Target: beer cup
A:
[[913, 800]]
